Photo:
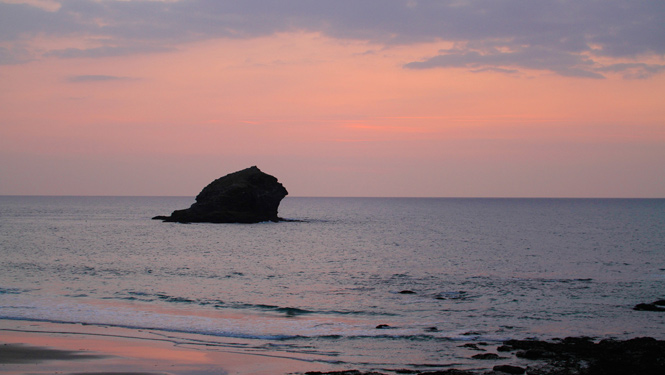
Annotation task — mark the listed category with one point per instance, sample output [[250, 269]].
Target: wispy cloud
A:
[[567, 37], [105, 51], [634, 70], [13, 56], [96, 78], [538, 58]]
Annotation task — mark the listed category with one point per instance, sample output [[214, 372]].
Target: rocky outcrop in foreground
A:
[[572, 355], [246, 196]]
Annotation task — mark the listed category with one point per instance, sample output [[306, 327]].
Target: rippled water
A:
[[438, 272]]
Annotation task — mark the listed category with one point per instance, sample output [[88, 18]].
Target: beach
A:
[[40, 348]]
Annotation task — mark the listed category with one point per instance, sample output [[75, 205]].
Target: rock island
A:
[[246, 196]]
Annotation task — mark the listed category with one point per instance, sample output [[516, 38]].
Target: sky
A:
[[388, 98]]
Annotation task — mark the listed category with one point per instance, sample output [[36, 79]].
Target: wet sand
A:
[[42, 348]]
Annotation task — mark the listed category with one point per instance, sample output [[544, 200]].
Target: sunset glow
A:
[[159, 98]]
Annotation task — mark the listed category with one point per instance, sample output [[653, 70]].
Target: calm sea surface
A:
[[438, 272]]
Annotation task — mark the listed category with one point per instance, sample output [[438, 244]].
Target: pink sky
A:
[[332, 102]]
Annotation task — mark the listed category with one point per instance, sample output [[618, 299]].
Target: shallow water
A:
[[479, 269]]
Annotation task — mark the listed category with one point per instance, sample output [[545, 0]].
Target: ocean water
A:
[[438, 272]]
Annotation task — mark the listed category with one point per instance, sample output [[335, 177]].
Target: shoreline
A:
[[38, 347]]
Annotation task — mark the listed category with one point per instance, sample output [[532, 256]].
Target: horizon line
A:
[[323, 196]]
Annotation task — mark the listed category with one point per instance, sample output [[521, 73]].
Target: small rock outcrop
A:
[[583, 356], [572, 355], [653, 306], [246, 196]]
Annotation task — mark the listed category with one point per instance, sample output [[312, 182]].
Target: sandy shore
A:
[[43, 348]]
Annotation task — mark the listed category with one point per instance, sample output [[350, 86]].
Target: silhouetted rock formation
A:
[[572, 355], [583, 356], [654, 306], [246, 196]]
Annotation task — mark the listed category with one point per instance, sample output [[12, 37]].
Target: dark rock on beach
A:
[[572, 355], [471, 346], [581, 355], [246, 196], [653, 306], [509, 369]]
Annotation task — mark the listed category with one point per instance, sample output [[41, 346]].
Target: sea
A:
[[357, 283]]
